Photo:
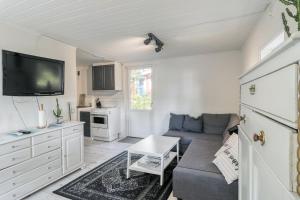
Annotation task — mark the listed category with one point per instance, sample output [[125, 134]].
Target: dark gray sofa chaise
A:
[[196, 177]]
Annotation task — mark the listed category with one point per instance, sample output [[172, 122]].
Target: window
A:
[[140, 83], [272, 45]]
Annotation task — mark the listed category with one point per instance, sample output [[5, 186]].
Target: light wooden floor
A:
[[95, 153]]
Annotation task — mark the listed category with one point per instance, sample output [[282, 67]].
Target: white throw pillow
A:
[[227, 159], [232, 141]]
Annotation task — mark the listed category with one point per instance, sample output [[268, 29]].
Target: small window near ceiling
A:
[[140, 81], [272, 45]]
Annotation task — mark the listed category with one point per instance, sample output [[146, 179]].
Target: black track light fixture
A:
[[147, 41], [158, 42]]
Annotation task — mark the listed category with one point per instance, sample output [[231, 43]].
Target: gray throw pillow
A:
[[176, 122], [215, 123], [192, 124]]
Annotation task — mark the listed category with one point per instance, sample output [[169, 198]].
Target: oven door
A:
[[99, 121]]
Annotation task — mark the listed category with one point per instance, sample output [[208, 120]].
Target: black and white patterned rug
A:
[[108, 182]]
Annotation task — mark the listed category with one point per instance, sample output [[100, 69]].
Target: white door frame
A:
[[127, 93]]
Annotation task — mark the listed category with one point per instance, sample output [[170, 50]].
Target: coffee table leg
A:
[[128, 164], [177, 152], [162, 170]]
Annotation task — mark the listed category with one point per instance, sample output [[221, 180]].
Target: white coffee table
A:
[[156, 146]]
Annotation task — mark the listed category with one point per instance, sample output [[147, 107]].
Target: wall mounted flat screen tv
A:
[[27, 75]]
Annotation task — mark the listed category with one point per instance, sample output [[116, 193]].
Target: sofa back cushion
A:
[[192, 124], [215, 123], [176, 122]]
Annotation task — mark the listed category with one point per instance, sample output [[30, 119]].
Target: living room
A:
[[149, 100]]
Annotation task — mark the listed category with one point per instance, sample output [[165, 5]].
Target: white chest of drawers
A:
[[269, 129], [30, 162]]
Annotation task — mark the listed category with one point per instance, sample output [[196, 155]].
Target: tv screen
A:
[[27, 75]]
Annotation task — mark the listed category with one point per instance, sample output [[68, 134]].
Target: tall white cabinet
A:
[[269, 127], [30, 162]]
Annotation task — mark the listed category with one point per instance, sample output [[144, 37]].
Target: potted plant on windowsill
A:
[[58, 113]]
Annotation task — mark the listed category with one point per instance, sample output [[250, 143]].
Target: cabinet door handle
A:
[[252, 89], [243, 118], [260, 137]]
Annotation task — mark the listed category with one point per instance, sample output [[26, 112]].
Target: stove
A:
[[105, 123]]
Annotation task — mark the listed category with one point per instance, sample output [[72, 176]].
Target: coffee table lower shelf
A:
[[159, 170]]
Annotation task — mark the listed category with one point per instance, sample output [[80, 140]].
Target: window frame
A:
[[129, 89]]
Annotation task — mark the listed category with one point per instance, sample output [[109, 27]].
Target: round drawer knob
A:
[[260, 137]]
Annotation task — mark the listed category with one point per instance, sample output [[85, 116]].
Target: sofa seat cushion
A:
[[200, 154], [187, 137], [191, 184]]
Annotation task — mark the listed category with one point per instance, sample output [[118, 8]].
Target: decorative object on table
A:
[[42, 117], [98, 103], [295, 16], [109, 180], [58, 113]]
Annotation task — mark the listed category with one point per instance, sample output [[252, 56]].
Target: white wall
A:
[[269, 26], [193, 85], [24, 41]]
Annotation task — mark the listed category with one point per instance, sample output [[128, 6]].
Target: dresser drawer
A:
[[45, 147], [28, 165], [46, 137], [29, 176], [14, 146], [28, 188], [275, 93], [280, 160], [72, 130], [14, 158]]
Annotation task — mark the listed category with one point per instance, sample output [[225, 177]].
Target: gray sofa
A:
[[196, 177]]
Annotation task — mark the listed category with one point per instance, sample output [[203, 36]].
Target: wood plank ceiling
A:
[[115, 29]]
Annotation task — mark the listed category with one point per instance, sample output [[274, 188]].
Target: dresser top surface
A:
[[9, 137]]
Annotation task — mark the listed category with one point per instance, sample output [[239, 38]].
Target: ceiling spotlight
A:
[[158, 49], [158, 43], [147, 41]]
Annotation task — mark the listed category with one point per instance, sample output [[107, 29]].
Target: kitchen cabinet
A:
[[106, 77], [85, 116], [72, 152]]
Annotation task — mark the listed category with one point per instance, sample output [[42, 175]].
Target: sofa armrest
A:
[[194, 184]]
